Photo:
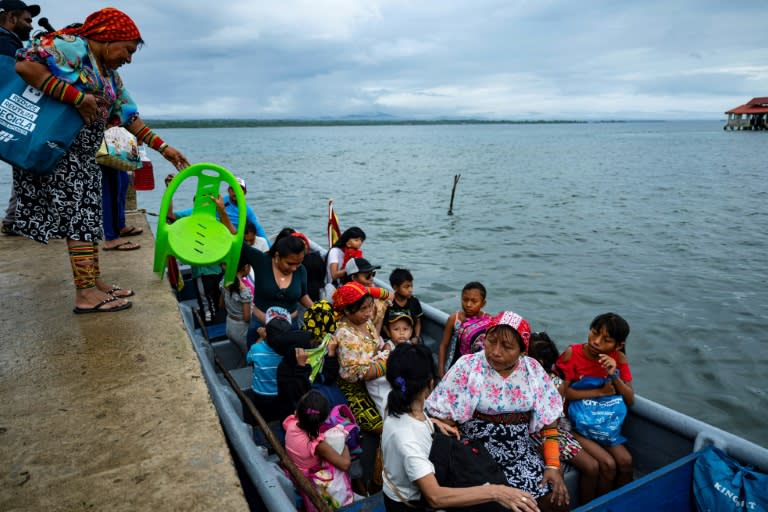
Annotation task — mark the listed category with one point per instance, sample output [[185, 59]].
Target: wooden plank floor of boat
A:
[[103, 411]]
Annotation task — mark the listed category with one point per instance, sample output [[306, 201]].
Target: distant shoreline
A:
[[276, 123]]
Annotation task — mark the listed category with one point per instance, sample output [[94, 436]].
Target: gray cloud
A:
[[498, 59]]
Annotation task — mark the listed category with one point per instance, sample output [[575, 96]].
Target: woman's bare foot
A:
[[120, 244], [113, 289], [88, 299]]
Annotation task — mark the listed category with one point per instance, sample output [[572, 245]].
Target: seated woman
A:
[[362, 360], [361, 351], [280, 280], [498, 396], [409, 475]]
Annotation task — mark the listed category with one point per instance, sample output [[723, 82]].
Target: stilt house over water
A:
[[750, 116]]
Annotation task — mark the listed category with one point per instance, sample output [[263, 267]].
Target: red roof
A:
[[754, 106]]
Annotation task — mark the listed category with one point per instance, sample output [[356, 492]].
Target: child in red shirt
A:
[[601, 356]]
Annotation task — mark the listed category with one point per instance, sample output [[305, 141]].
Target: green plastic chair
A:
[[201, 239]]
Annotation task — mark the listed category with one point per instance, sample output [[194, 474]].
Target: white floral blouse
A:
[[473, 385]]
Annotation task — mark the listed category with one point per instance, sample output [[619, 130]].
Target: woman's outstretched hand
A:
[[559, 491], [174, 156]]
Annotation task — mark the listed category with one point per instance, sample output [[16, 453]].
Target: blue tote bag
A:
[[35, 130], [721, 484], [599, 418]]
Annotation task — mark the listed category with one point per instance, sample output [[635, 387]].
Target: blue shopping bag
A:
[[721, 484], [35, 130], [598, 418]]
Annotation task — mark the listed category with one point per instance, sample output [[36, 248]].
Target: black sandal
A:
[[98, 308]]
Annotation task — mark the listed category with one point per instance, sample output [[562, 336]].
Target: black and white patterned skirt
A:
[[67, 203], [514, 451]]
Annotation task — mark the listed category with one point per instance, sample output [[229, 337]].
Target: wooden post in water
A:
[[456, 178]]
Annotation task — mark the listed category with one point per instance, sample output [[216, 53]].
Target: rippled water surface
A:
[[664, 223]]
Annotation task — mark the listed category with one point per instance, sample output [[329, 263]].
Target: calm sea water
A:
[[664, 223]]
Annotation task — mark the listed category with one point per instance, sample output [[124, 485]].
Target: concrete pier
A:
[[103, 411]]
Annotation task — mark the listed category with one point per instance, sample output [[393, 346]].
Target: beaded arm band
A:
[[62, 91], [551, 447], [380, 368], [151, 139]]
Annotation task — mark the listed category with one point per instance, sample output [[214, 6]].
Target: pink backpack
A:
[[471, 334], [342, 415]]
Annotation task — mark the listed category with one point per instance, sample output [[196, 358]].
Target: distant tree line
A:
[[272, 123]]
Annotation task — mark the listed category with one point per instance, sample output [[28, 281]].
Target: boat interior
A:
[[664, 443]]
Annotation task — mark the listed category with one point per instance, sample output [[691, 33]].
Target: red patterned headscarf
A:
[[348, 294], [106, 25], [515, 321]]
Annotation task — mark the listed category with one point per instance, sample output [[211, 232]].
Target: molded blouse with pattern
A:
[[69, 58], [473, 385]]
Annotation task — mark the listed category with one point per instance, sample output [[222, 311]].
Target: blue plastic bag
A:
[[721, 484], [599, 418], [35, 130]]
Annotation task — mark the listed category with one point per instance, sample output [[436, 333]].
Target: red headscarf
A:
[[515, 321], [348, 294], [106, 25]]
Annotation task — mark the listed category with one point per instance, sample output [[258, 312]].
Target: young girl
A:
[[601, 357], [543, 349], [320, 462], [472, 303], [346, 247], [237, 298]]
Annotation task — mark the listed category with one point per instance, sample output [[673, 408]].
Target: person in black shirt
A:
[[401, 281]]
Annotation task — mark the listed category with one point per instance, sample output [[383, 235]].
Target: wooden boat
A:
[[663, 442]]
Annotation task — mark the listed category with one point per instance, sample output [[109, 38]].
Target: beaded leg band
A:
[[82, 260], [96, 267]]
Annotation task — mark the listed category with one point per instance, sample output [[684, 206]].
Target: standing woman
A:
[[79, 66]]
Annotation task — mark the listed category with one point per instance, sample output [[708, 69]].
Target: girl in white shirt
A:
[[347, 246]]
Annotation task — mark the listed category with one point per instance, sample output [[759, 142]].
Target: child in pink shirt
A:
[[324, 463]]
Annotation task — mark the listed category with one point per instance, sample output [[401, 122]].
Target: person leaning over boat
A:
[[498, 396], [79, 66], [409, 475], [279, 277], [15, 27]]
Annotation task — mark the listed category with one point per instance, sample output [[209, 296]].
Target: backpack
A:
[[471, 334], [342, 415], [315, 265], [465, 463]]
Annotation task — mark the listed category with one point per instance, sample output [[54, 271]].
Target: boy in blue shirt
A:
[[265, 362]]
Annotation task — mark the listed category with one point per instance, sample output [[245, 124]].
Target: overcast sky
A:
[[498, 59]]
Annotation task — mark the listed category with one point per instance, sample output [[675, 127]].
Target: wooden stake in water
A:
[[456, 178]]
